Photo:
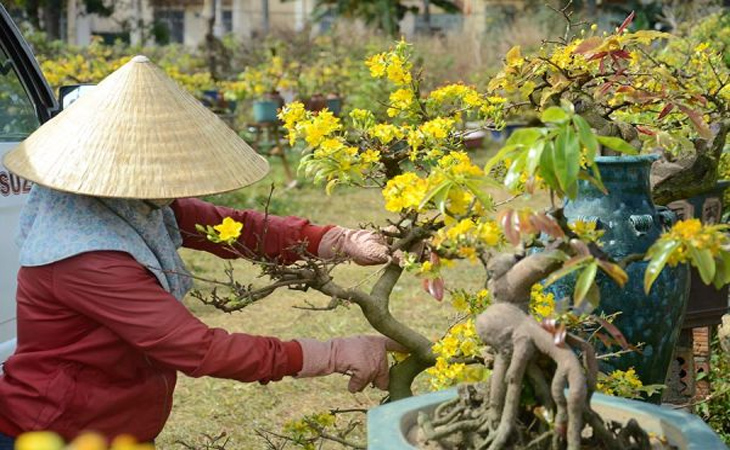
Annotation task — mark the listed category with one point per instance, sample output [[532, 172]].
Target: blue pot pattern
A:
[[631, 224]]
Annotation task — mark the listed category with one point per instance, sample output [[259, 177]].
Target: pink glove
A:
[[361, 246], [361, 357]]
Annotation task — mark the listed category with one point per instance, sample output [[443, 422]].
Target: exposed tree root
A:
[[489, 418]]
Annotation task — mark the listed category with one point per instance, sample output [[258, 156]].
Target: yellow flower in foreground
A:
[[39, 440], [89, 441], [229, 230]]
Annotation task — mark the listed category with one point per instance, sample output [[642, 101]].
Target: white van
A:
[[26, 101]]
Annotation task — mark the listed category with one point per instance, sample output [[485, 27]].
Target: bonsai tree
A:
[[445, 209]]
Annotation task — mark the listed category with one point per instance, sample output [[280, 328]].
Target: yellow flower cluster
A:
[[586, 230], [437, 129], [394, 65], [405, 191], [470, 303], [385, 132], [692, 234], [542, 305], [461, 342], [314, 128], [318, 127], [47, 440], [306, 431], [408, 190], [458, 93], [270, 76], [291, 115], [468, 237], [400, 100], [620, 383]]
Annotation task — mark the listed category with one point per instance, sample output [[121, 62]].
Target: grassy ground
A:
[[213, 406]]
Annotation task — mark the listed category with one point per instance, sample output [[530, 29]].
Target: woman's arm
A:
[[270, 236], [113, 289]]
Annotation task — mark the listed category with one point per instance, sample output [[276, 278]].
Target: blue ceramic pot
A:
[[265, 111], [334, 104], [388, 425], [631, 224]]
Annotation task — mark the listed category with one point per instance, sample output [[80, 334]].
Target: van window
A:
[[17, 114]]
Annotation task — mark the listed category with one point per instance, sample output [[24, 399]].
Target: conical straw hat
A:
[[137, 135]]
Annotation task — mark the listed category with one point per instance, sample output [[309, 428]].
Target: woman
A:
[[101, 329]]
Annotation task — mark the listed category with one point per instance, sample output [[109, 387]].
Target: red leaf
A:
[[607, 342], [697, 121], [626, 23], [700, 98], [588, 45], [434, 287], [666, 110], [625, 89], [644, 130], [623, 54], [615, 333], [598, 55], [510, 230], [605, 88]]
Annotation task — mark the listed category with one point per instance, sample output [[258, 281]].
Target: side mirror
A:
[[69, 94]]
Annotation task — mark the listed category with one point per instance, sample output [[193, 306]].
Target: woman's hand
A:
[[361, 246], [363, 358]]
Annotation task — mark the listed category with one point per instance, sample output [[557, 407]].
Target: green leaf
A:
[[705, 263], [567, 161], [569, 267], [584, 283], [547, 167], [533, 156], [438, 194], [584, 175], [587, 138], [554, 114], [593, 296], [617, 144], [475, 187], [501, 154], [659, 253], [725, 256], [512, 179], [524, 137]]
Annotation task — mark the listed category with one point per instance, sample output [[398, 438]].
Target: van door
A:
[[26, 101]]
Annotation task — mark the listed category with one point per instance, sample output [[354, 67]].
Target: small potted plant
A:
[[262, 84]]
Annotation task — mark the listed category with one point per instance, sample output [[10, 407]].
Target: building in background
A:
[[185, 21]]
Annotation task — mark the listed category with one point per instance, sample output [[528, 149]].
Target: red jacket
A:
[[100, 341]]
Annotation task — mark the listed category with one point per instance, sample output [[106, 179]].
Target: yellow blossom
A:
[[229, 230], [376, 63], [370, 156], [385, 132], [404, 191], [438, 128]]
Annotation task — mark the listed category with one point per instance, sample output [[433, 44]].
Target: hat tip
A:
[[140, 59]]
